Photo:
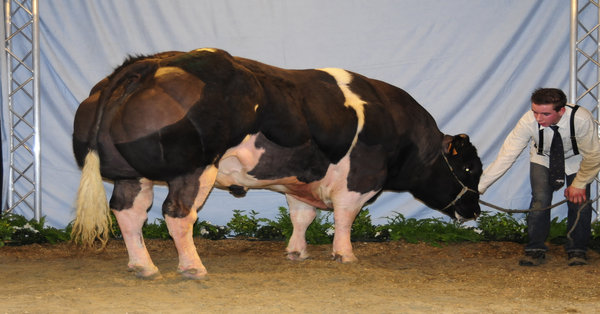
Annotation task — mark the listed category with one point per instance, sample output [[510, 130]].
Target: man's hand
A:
[[575, 195]]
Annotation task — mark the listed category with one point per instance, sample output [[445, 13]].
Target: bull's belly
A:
[[236, 167], [290, 185]]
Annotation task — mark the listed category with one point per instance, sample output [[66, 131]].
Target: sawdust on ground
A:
[[254, 277]]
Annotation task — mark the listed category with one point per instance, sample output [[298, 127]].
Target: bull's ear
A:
[[447, 145]]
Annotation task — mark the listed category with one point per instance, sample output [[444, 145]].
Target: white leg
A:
[[346, 206], [342, 246], [180, 229], [302, 215], [130, 222]]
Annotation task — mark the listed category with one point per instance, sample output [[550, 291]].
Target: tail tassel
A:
[[93, 221]]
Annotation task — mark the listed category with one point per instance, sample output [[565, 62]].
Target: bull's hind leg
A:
[[302, 215], [186, 195], [130, 202]]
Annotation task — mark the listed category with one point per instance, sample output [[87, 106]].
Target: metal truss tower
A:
[[584, 80], [584, 60], [23, 100]]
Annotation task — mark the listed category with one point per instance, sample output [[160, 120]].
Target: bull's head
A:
[[451, 186]]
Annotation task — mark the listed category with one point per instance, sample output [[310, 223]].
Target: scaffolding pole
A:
[[23, 100], [584, 64]]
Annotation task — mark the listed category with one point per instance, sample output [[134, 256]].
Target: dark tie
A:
[[557, 160]]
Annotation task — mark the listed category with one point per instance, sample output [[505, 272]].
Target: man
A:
[[549, 112]]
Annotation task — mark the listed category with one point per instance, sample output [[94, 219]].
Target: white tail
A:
[[93, 214]]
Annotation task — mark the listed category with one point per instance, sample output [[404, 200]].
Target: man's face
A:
[[545, 114]]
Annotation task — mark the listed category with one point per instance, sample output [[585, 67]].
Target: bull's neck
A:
[[413, 168]]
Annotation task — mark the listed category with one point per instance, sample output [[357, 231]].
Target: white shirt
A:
[[586, 164]]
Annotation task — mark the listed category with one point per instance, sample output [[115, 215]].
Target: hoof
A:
[[142, 273], [194, 274], [296, 256], [344, 259]]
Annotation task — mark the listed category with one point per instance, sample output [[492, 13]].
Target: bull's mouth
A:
[[460, 218]]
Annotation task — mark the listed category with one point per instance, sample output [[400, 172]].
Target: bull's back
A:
[[334, 108], [178, 117]]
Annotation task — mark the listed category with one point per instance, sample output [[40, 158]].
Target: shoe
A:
[[576, 258], [533, 258]]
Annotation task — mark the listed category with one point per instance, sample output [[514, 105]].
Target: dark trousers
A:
[[538, 222]]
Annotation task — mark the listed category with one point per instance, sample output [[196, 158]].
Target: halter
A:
[[464, 190]]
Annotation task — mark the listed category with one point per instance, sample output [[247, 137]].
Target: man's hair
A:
[[545, 96]]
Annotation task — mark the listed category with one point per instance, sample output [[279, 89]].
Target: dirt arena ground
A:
[[254, 277]]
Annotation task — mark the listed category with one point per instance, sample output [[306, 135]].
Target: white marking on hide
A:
[[331, 190], [206, 182], [237, 161], [169, 70], [207, 49], [353, 101]]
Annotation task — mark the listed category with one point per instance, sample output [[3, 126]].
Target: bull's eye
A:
[[467, 170]]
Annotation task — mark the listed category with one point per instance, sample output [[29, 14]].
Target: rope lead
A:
[[512, 211]]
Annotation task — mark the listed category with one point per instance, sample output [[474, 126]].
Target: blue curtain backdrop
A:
[[471, 63]]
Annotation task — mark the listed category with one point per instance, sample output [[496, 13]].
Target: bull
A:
[[326, 138]]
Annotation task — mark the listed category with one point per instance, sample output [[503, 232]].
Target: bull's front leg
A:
[[186, 195], [346, 206], [342, 245], [301, 215], [130, 202]]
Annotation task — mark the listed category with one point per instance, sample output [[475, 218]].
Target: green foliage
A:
[[320, 231], [431, 230], [283, 223], [245, 225], [505, 227], [596, 229], [558, 231], [209, 231], [17, 230], [502, 227], [362, 227], [115, 230], [156, 230], [595, 241], [269, 233], [53, 235], [6, 231], [27, 235], [159, 230]]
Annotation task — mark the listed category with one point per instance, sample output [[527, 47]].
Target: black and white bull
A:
[[326, 138]]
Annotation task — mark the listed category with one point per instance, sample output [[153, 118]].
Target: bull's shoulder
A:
[[302, 106]]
